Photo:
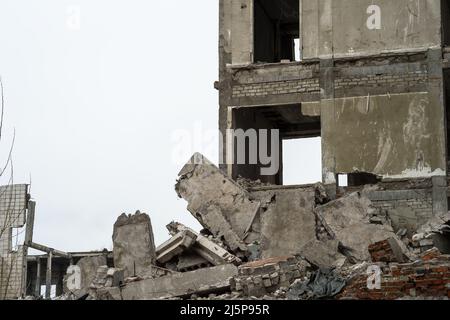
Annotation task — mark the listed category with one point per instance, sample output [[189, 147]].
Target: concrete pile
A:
[[265, 242]]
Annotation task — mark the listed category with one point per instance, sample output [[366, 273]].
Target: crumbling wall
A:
[[12, 274], [408, 209], [428, 277], [13, 205]]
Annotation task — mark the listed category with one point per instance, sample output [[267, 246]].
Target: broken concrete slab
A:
[[347, 219], [323, 254], [287, 221], [179, 243], [134, 247], [203, 281], [80, 276], [206, 248], [437, 224], [216, 201], [105, 278]]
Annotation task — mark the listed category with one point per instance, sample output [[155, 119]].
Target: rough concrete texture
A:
[[78, 280], [348, 220], [323, 254], [134, 247], [287, 221], [216, 201], [413, 137], [203, 281]]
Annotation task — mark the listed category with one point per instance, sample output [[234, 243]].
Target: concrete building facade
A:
[[370, 78]]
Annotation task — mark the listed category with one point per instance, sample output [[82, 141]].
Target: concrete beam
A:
[[206, 248], [49, 250], [179, 243], [203, 281]]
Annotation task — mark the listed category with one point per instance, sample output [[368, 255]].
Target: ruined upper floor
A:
[[266, 31]]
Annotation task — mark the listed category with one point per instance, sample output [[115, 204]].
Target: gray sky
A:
[[96, 109]]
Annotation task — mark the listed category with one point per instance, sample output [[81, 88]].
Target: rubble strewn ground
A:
[[270, 244]]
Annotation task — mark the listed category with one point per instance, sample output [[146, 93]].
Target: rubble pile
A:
[[262, 242]]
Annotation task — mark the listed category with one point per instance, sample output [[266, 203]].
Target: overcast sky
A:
[[97, 106]]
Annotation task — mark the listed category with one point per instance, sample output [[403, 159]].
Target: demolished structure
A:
[[373, 82]]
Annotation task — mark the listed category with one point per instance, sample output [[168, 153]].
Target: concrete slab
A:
[[216, 201], [348, 220], [288, 223]]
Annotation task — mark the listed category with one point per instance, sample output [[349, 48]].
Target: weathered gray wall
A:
[[339, 27], [394, 136]]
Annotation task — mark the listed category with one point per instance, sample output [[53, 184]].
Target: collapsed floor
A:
[[262, 241]]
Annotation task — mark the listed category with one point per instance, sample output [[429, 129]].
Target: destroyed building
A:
[[373, 82]]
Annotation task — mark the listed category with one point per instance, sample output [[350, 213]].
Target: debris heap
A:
[[262, 241]]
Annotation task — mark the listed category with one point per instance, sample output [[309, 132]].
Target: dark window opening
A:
[[276, 30], [291, 124], [357, 179], [445, 16], [361, 179]]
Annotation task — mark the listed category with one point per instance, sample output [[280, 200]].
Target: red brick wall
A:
[[425, 278]]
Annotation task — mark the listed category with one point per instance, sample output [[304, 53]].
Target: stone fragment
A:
[[134, 247]]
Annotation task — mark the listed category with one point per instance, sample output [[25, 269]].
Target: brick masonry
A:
[[386, 251], [429, 277], [276, 88], [396, 74], [409, 79]]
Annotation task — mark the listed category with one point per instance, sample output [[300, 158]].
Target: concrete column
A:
[[37, 289], [48, 279]]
